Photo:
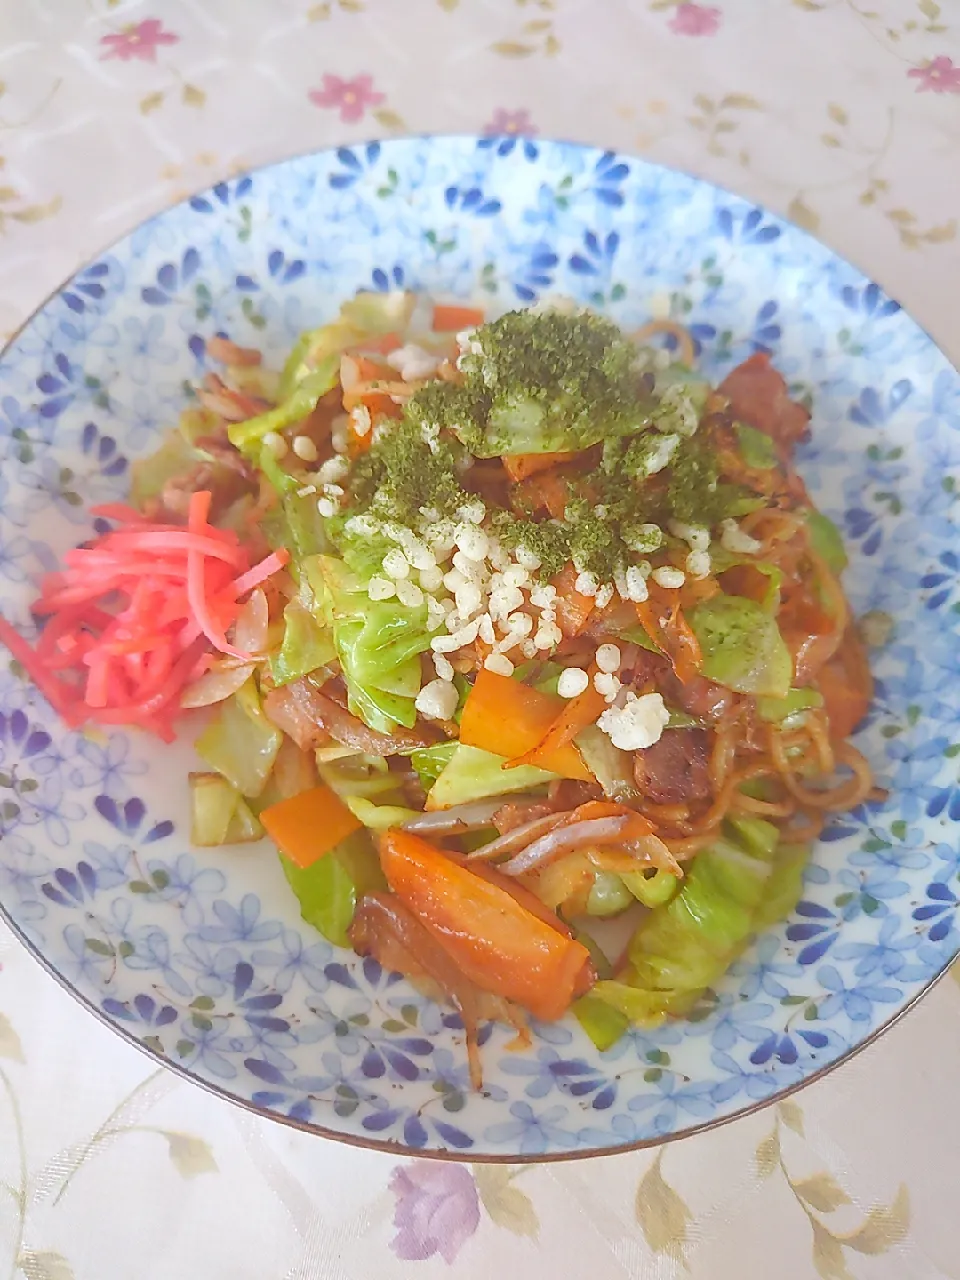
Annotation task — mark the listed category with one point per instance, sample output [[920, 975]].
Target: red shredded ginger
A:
[[133, 616]]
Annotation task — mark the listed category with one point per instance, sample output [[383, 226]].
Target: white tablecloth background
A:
[[844, 114]]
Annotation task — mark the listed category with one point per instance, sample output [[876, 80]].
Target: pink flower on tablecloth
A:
[[350, 97], [938, 76], [138, 40], [438, 1210], [512, 123], [695, 20]]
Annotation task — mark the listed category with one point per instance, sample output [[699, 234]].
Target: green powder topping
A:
[[539, 383], [549, 540], [401, 474], [545, 382]]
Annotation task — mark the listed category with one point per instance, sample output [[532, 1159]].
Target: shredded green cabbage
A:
[[756, 447], [826, 540], [738, 886], [219, 814], [472, 774], [603, 1023], [379, 817], [241, 743], [742, 646], [430, 762], [329, 890], [297, 405], [378, 643], [306, 645]]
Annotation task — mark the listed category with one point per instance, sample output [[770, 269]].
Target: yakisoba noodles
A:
[[507, 627]]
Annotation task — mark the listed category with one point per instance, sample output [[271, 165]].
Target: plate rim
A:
[[386, 1146]]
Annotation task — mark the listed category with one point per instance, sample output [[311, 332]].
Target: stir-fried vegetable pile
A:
[[509, 628]]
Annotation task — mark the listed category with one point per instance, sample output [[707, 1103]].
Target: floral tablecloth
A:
[[843, 114]]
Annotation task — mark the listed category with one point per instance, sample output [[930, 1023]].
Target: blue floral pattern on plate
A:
[[200, 955]]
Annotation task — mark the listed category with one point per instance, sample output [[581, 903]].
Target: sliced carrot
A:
[[648, 613], [516, 889], [451, 318], [310, 824], [547, 490], [369, 370], [669, 630], [573, 608], [683, 645], [493, 940], [519, 466], [509, 718], [383, 345], [579, 712], [381, 405], [638, 827]]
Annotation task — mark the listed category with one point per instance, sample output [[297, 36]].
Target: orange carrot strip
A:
[[509, 718], [638, 826], [548, 490], [573, 609], [671, 632], [310, 824], [451, 318], [369, 369], [383, 345], [494, 941], [684, 647], [519, 466], [577, 714]]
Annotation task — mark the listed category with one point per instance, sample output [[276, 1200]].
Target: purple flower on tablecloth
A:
[[350, 97], [437, 1211], [695, 20], [514, 124], [138, 40], [937, 76]]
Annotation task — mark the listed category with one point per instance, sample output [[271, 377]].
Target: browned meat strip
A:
[[675, 769], [311, 719], [758, 396]]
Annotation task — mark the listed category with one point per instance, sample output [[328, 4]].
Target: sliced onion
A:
[[635, 855], [576, 835], [462, 817], [227, 352], [222, 405], [215, 685], [250, 628], [345, 728], [349, 373], [327, 755], [518, 838], [229, 674], [651, 851], [282, 709], [588, 835]]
